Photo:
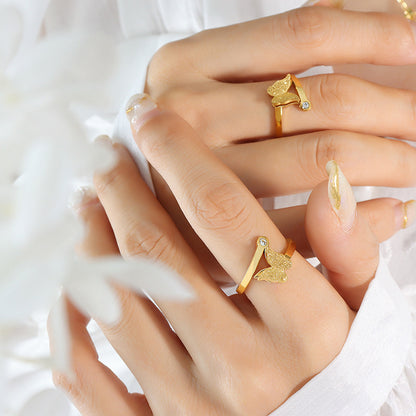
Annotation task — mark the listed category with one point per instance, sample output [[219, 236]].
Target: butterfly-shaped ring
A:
[[279, 264], [282, 97]]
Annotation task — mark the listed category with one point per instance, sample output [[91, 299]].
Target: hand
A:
[[217, 81], [243, 355]]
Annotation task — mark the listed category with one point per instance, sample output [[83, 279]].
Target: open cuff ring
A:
[[282, 97], [279, 263]]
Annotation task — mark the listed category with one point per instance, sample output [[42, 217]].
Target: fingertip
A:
[[140, 108]]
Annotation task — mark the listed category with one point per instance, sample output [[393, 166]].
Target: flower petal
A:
[[94, 297], [60, 338], [48, 402]]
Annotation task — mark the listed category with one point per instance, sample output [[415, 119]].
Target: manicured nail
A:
[[341, 196], [409, 213], [138, 110]]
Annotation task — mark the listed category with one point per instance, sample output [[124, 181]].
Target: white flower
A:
[[46, 95]]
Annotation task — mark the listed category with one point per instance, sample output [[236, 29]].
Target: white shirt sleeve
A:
[[374, 374]]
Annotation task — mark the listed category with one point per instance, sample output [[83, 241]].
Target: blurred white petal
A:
[[10, 33], [94, 296], [144, 275], [60, 337], [75, 58], [48, 402], [11, 335]]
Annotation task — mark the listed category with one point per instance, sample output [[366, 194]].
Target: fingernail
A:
[[341, 196], [409, 213], [138, 110], [83, 197]]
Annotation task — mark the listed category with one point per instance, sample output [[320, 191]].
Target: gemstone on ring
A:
[[263, 242], [306, 106]]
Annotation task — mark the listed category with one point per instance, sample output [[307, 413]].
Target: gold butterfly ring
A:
[[279, 263], [282, 97]]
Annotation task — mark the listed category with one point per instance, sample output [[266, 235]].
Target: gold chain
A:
[[408, 12]]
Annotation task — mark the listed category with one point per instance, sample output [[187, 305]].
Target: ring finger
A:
[[230, 113]]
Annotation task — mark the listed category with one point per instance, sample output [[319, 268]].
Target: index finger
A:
[[227, 217], [295, 41]]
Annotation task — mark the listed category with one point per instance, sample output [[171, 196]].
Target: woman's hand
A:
[[243, 355], [217, 81]]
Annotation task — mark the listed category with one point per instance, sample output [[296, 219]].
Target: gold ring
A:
[[279, 263], [281, 98]]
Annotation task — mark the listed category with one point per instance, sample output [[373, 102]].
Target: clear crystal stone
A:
[[263, 242], [305, 105]]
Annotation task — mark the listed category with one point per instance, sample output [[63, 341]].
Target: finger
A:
[[93, 388], [225, 113], [142, 337], [226, 216], [294, 41], [99, 238], [385, 216], [143, 228], [266, 169], [346, 239]]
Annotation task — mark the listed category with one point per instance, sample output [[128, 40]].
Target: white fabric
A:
[[363, 375], [375, 373]]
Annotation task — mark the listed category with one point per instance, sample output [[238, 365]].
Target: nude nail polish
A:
[[409, 214], [341, 196], [138, 110]]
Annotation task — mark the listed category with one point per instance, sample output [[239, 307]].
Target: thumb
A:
[[345, 236]]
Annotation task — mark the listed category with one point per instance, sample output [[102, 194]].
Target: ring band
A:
[[279, 263], [282, 98]]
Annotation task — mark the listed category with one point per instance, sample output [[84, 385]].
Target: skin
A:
[[243, 355], [219, 88]]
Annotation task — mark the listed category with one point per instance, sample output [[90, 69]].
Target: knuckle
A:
[[313, 155], [336, 97], [221, 207], [163, 63], [74, 385], [306, 28], [158, 135], [326, 149], [128, 318], [189, 102], [148, 241]]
